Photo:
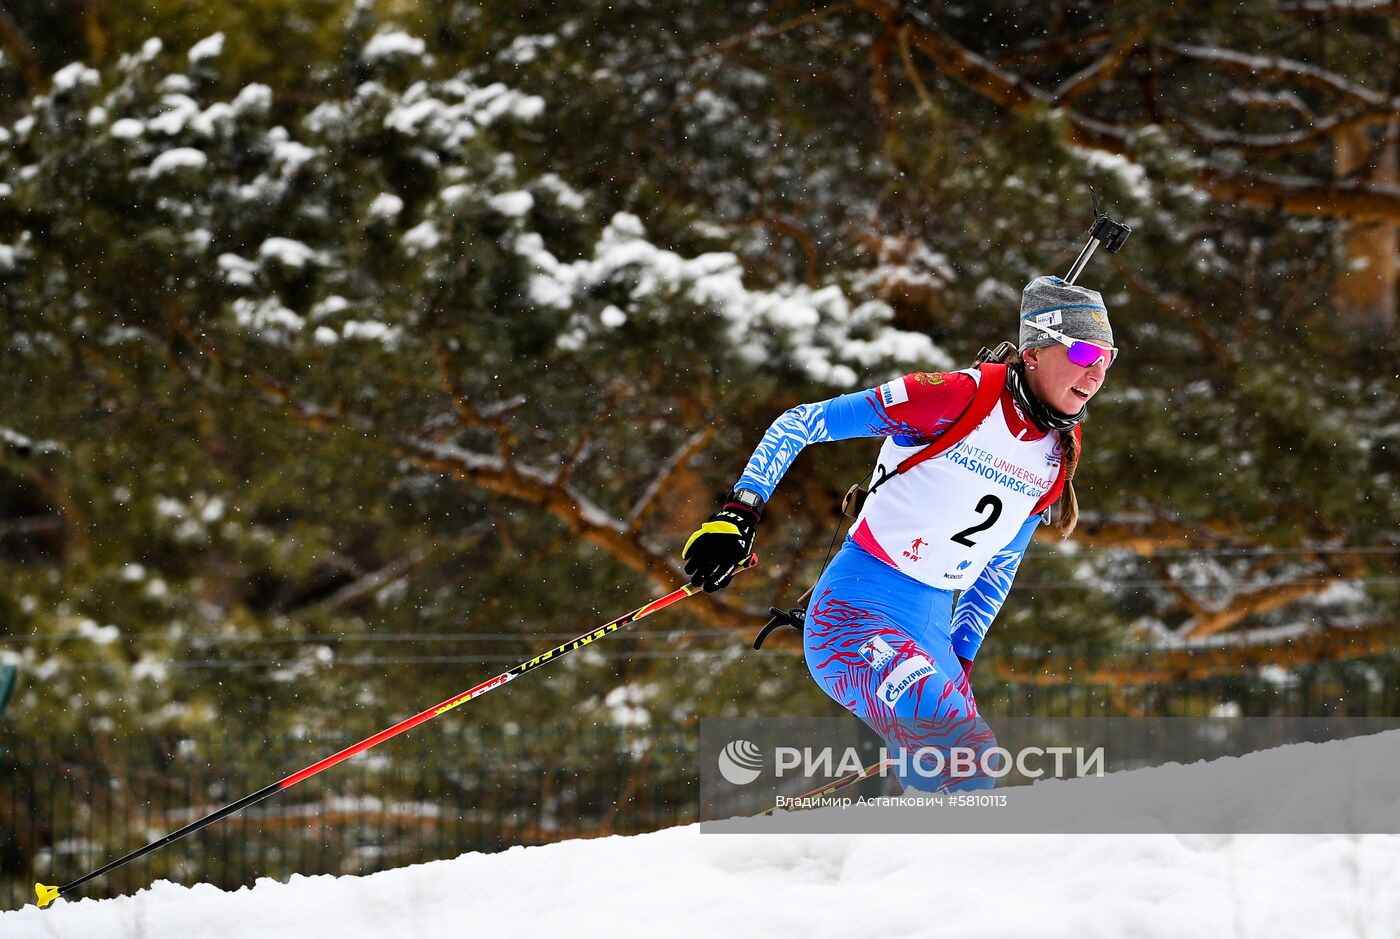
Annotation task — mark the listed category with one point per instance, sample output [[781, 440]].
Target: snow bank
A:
[[682, 882]]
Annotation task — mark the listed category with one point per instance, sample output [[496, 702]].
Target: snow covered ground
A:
[[682, 882]]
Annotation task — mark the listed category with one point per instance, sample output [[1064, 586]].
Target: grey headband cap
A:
[[1076, 311]]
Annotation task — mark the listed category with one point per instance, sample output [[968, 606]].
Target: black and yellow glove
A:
[[720, 545]]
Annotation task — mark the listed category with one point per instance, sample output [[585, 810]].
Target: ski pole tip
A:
[[46, 894]]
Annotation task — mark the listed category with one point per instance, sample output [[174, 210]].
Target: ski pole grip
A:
[[790, 618]]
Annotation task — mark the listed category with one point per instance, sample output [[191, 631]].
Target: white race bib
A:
[[942, 521]]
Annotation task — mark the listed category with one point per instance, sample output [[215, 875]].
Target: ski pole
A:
[[47, 894]]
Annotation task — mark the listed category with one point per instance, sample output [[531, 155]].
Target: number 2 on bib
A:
[[987, 502]]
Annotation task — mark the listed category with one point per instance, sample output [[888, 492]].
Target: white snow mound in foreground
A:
[[680, 882]]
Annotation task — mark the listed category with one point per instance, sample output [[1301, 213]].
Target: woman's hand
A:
[[715, 550]]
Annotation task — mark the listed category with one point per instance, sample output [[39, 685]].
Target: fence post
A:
[[7, 685]]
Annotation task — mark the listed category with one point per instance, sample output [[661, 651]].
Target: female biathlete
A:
[[885, 635]]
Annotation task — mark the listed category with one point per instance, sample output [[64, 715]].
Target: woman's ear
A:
[[1029, 356]]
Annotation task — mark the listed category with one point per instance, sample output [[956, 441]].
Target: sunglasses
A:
[[1083, 353]]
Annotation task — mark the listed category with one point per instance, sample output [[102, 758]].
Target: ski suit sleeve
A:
[[979, 604], [916, 406]]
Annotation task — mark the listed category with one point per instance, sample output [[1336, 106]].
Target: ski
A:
[[835, 786]]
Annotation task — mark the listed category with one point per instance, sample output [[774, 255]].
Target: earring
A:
[[1031, 367]]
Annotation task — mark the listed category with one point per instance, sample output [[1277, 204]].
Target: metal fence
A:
[[417, 798], [65, 810], [1360, 687]]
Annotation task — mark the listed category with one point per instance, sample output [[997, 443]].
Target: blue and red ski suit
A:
[[893, 627]]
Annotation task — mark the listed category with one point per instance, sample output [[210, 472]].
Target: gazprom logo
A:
[[740, 762]]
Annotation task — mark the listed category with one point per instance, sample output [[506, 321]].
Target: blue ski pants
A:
[[877, 641]]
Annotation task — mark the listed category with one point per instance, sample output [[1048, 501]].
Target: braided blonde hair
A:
[[1065, 511]]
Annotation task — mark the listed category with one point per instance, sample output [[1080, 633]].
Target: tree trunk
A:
[[1365, 289], [12, 38]]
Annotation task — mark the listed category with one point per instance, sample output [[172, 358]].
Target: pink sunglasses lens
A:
[[1085, 354]]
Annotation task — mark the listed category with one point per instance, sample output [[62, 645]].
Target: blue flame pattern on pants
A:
[[879, 643]]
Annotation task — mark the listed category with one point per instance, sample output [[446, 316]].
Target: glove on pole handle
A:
[[47, 894]]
